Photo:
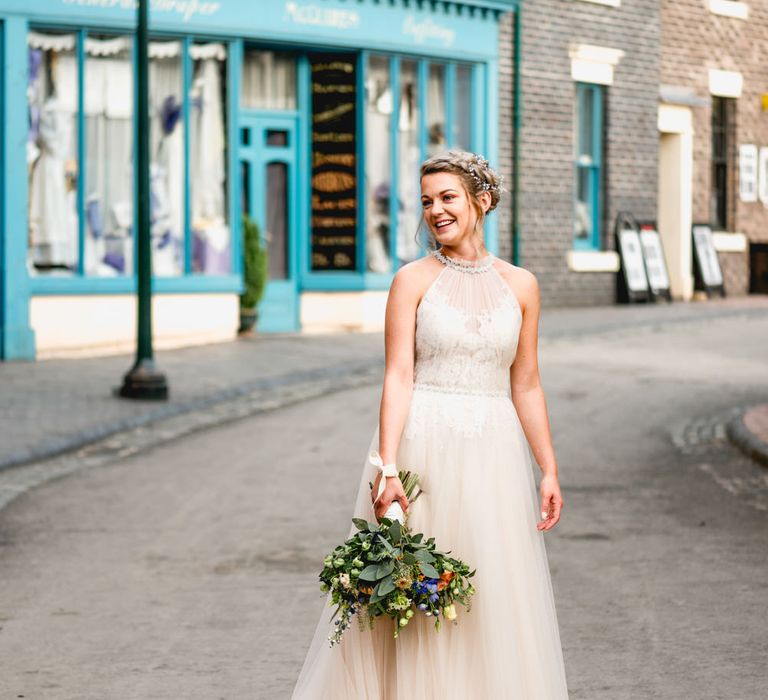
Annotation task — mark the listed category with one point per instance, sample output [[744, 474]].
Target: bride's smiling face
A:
[[446, 207]]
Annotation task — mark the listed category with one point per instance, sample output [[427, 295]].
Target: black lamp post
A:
[[143, 380]]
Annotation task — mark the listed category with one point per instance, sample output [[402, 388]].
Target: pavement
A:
[[54, 407], [188, 568]]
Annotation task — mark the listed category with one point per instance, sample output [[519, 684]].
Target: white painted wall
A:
[[328, 312], [89, 325], [676, 196]]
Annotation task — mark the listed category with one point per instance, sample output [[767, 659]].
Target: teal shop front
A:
[[310, 117]]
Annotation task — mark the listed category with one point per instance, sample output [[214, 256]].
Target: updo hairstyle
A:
[[473, 171]]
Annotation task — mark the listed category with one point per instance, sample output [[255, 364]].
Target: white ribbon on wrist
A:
[[386, 470]]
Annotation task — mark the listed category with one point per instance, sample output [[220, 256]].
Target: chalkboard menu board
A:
[[334, 161]]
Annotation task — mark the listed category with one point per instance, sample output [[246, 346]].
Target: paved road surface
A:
[[188, 571]]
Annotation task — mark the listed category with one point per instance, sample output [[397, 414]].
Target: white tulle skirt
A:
[[480, 503]]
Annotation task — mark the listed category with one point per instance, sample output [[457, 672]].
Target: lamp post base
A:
[[144, 381]]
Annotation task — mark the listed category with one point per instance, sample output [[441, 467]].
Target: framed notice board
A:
[[633, 280], [334, 161], [655, 262], [706, 263]]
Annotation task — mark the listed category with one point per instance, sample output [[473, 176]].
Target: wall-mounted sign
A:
[[707, 262], [655, 262], [762, 171], [748, 172], [334, 161], [632, 264]]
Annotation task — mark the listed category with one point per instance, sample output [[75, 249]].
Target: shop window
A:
[[436, 98], [52, 90], [211, 251], [166, 92], [462, 112], [378, 163], [268, 80], [90, 209], [589, 125], [722, 124], [109, 156], [409, 159]]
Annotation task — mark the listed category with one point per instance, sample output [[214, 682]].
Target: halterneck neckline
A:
[[472, 266]]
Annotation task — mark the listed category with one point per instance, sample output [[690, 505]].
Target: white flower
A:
[[450, 612], [344, 580]]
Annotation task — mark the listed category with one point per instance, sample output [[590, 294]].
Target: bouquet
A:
[[385, 570]]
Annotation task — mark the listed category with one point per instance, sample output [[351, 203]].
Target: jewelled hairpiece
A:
[[482, 184]]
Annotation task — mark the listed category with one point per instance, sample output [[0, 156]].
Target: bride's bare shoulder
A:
[[522, 282], [414, 278]]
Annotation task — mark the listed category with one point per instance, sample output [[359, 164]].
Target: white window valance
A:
[[200, 52], [119, 44], [51, 42]]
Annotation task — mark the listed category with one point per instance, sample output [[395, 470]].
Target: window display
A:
[[52, 88], [378, 164], [166, 157], [211, 252], [409, 159], [109, 182]]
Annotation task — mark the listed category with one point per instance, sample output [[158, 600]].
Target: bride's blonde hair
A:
[[476, 177]]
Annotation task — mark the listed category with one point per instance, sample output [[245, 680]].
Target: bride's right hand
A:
[[393, 491]]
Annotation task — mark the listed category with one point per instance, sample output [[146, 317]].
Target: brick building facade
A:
[[589, 80], [711, 58]]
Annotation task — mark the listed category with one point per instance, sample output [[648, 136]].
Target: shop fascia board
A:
[[422, 27]]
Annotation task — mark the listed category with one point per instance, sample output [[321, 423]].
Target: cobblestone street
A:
[[178, 560]]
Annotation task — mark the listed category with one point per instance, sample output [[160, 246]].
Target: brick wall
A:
[[550, 27], [695, 40]]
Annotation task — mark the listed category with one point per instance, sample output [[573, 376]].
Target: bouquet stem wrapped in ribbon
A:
[[386, 570]]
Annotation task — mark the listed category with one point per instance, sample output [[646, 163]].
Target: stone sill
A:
[[608, 3], [725, 242], [593, 261], [729, 8]]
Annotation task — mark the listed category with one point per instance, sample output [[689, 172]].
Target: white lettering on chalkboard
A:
[[321, 16]]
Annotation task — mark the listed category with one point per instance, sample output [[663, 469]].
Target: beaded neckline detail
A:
[[482, 265]]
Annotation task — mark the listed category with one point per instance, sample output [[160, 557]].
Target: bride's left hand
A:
[[551, 503]]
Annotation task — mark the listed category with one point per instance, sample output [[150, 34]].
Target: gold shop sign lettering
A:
[[334, 161]]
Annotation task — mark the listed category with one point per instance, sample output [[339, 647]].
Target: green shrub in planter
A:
[[255, 272]]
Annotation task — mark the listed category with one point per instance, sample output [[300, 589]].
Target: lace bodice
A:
[[467, 327]]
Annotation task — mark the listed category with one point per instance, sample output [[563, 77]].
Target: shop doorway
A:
[[675, 196], [269, 196]]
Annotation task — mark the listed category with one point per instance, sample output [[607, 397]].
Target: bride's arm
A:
[[531, 406], [399, 332]]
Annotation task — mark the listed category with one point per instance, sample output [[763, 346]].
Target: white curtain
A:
[[211, 251], [269, 80], [109, 149], [167, 149], [378, 170]]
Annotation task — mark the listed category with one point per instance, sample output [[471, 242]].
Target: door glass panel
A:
[[245, 188], [277, 137], [276, 234], [269, 80], [378, 171]]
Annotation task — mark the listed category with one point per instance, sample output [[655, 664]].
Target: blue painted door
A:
[[268, 185]]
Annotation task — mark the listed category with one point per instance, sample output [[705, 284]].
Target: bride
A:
[[461, 402]]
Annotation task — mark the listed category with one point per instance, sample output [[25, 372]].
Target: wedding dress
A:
[[462, 435]]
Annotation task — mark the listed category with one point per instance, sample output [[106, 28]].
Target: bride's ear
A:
[[485, 201]]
